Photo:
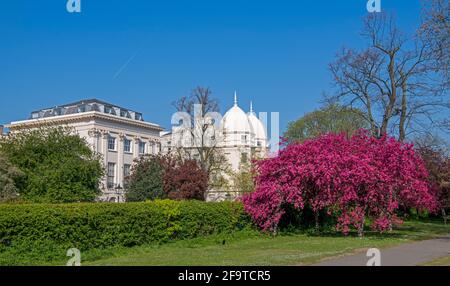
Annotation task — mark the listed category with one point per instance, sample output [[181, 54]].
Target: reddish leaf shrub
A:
[[163, 176], [350, 179], [185, 180]]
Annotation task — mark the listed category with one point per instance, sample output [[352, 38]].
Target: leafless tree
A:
[[393, 80], [202, 132]]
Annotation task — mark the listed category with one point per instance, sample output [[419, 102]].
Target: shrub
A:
[[88, 226], [9, 175], [185, 180], [146, 179], [159, 177]]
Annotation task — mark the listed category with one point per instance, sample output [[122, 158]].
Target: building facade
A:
[[120, 135]]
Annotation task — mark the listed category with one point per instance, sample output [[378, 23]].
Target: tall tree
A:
[[58, 165], [392, 80], [329, 119]]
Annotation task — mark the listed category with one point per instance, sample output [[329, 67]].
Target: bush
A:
[[160, 177], [9, 175], [146, 180], [88, 226]]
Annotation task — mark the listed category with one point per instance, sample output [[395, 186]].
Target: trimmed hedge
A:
[[98, 225]]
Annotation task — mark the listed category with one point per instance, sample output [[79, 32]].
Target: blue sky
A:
[[145, 54]]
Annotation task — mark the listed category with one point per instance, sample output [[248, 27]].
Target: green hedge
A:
[[97, 225]]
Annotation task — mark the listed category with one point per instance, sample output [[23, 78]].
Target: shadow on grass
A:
[[411, 229]]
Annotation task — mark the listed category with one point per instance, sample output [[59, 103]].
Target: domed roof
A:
[[235, 120], [257, 125]]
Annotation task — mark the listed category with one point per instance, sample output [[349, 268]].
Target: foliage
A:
[[9, 175], [243, 180], [87, 225], [185, 180], [165, 176], [58, 165], [330, 119], [437, 163], [348, 178], [146, 179]]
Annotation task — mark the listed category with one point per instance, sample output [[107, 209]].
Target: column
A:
[[120, 154], [104, 152], [136, 141]]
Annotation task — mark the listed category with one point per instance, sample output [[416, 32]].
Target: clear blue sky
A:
[[145, 54]]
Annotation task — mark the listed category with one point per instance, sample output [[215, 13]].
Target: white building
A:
[[240, 137], [120, 135]]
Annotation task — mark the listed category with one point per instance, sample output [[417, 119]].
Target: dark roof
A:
[[86, 101]]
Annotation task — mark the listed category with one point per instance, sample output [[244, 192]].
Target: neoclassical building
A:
[[120, 135]]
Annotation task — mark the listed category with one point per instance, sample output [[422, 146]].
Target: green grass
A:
[[247, 248], [242, 248], [443, 261]]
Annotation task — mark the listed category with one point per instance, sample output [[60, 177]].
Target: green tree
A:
[[330, 119], [146, 181], [9, 175], [58, 165], [243, 179]]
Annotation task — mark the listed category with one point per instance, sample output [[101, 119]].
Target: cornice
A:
[[79, 117]]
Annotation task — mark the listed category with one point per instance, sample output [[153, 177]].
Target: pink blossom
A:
[[351, 178]]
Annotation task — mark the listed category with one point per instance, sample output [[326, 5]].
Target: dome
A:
[[236, 121], [257, 125]]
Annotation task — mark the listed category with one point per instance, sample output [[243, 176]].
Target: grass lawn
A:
[[443, 261], [254, 249], [242, 248]]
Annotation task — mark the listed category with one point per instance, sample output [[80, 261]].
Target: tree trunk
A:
[[392, 96], [316, 218], [403, 113], [444, 216], [361, 228]]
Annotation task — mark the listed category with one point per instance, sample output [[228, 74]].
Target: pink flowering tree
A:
[[350, 179]]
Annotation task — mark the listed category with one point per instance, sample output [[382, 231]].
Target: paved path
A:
[[403, 255]]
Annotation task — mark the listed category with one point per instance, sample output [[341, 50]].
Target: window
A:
[[141, 147], [110, 110], [126, 174], [111, 175], [127, 146], [244, 139], [259, 143], [81, 108], [138, 116], [111, 143], [124, 113], [126, 170]]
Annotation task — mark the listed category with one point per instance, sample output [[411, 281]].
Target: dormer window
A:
[[58, 111], [124, 113], [81, 108], [138, 116], [110, 110]]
